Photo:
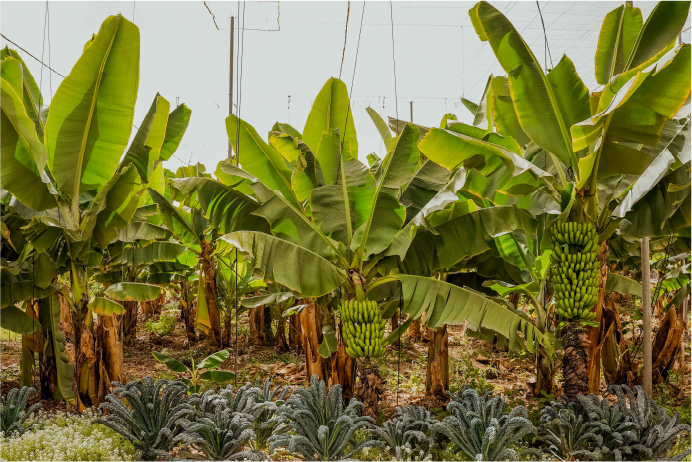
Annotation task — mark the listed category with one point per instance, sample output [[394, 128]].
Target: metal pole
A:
[[646, 311], [230, 85], [411, 111]]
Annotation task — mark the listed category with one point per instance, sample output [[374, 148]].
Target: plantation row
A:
[[314, 424], [545, 196]]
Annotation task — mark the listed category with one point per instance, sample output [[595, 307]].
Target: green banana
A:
[[575, 269]]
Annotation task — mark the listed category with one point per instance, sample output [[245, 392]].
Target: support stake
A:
[[646, 312]]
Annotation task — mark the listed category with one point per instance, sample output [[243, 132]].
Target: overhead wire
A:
[[396, 98], [343, 53], [40, 61], [33, 255], [348, 110], [239, 87], [396, 104], [545, 36], [353, 77]]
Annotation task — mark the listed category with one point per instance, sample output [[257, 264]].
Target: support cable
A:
[[353, 77], [343, 53], [401, 285], [239, 88], [396, 98], [547, 47]]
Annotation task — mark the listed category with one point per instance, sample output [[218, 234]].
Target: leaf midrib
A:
[[82, 149]]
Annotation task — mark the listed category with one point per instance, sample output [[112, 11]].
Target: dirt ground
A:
[[471, 362]]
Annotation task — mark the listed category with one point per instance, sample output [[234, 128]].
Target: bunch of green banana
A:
[[363, 329], [575, 274]]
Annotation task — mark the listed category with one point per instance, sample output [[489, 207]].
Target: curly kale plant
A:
[[243, 401], [13, 413], [150, 421], [410, 431], [632, 428], [218, 432], [589, 429], [480, 429], [268, 402], [321, 428], [655, 430]]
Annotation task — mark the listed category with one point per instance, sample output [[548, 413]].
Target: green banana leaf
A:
[[344, 203], [634, 112], [674, 147], [465, 236], [141, 231], [623, 285], [22, 154], [329, 343], [177, 221], [152, 253], [470, 105], [445, 196], [425, 184], [382, 127], [105, 307], [447, 304], [616, 41], [227, 209], [330, 110], [288, 222], [276, 260], [504, 115], [176, 127], [387, 215], [287, 129], [18, 291], [171, 363], [114, 205], [546, 105], [268, 299], [260, 159], [145, 149], [662, 27], [133, 291], [217, 376], [33, 101], [17, 321], [483, 117], [90, 117], [461, 145], [49, 313], [214, 359]]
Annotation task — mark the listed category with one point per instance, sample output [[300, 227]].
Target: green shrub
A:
[[66, 437], [161, 327]]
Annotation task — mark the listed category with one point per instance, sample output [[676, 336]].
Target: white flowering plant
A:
[[62, 437]]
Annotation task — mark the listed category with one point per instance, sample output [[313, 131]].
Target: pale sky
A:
[[439, 58]]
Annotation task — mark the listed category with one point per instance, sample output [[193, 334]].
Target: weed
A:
[[465, 372], [161, 327]]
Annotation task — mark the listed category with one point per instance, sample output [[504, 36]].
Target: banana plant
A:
[[335, 225], [140, 244], [66, 168], [610, 144], [225, 209]]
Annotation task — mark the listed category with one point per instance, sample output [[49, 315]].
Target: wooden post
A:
[[411, 111], [646, 312], [230, 85]]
